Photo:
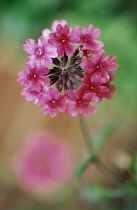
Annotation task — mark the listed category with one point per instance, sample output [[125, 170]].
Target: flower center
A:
[[98, 67], [53, 102], [63, 40], [85, 40], [34, 75], [67, 73], [39, 52]]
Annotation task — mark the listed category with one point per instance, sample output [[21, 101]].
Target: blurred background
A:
[[24, 19]]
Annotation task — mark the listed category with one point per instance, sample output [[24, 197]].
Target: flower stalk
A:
[[96, 160]]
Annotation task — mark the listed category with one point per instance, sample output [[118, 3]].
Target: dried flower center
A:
[[67, 72]]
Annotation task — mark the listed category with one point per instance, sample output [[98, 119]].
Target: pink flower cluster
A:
[[67, 70], [44, 163]]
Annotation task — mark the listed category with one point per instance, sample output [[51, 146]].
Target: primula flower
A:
[[40, 53], [97, 66], [33, 94], [80, 73], [61, 39], [53, 102], [54, 25], [81, 102], [34, 78], [87, 38], [44, 163]]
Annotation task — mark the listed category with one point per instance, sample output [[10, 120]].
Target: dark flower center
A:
[[67, 73]]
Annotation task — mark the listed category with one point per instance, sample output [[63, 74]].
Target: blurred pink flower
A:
[[44, 164]]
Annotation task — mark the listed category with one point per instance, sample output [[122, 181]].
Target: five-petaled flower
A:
[[40, 53], [79, 75]]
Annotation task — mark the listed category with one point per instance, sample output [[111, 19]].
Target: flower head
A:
[[79, 75], [44, 163]]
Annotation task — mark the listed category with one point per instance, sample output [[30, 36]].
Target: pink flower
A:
[[80, 102], [79, 75], [35, 78], [44, 163], [61, 39], [22, 78], [32, 94], [111, 65], [46, 31], [95, 88], [53, 102], [40, 53], [29, 94], [87, 39], [97, 67]]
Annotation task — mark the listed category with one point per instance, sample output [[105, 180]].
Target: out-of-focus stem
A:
[[86, 133], [97, 162]]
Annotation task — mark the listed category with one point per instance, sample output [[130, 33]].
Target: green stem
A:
[[98, 163], [86, 133]]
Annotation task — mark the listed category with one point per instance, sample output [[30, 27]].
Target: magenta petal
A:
[[47, 61], [60, 51], [88, 29], [70, 95], [111, 58], [96, 33], [95, 45], [112, 67], [46, 33], [69, 49], [53, 92], [96, 78], [59, 29], [91, 109], [51, 52], [32, 60], [50, 112], [56, 22], [77, 30], [45, 80], [87, 64], [72, 109], [30, 46]]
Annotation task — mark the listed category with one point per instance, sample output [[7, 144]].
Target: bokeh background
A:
[[24, 19]]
